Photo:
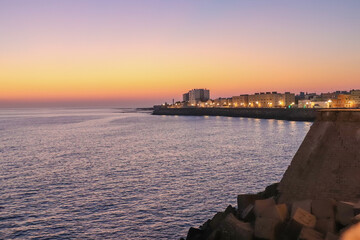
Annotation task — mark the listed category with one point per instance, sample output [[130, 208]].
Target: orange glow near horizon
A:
[[137, 77], [51, 58]]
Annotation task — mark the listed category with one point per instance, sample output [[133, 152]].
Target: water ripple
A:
[[99, 174]]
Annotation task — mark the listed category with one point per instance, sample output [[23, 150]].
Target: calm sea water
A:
[[122, 174]]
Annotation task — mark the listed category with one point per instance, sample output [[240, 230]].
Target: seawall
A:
[[327, 164], [292, 114]]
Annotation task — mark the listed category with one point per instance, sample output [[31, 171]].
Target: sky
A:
[[140, 53]]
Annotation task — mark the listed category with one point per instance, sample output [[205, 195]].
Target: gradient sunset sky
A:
[[140, 53]]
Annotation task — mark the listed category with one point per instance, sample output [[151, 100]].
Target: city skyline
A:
[[138, 53]]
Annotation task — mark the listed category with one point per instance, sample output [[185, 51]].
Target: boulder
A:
[[194, 234], [243, 200], [217, 220], [292, 230], [323, 208], [304, 218], [331, 236], [279, 211], [310, 234], [344, 212], [355, 219], [357, 208], [232, 228], [325, 225], [267, 228], [230, 209], [261, 206], [270, 191], [248, 213], [304, 204]]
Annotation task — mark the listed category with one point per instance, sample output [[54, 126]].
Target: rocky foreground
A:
[[317, 198], [261, 216]]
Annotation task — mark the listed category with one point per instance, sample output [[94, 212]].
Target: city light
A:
[[338, 99]]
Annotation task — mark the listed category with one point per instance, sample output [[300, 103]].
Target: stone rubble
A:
[[261, 216], [317, 198]]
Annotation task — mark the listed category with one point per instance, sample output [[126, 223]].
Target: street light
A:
[[329, 102]]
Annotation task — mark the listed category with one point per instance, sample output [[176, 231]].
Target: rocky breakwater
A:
[[317, 198]]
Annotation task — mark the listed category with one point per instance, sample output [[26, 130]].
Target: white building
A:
[[197, 95]]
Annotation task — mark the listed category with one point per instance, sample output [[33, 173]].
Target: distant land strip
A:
[[291, 114]]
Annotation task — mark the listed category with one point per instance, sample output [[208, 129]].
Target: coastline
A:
[[290, 114]]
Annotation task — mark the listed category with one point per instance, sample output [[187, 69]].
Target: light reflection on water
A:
[[105, 174]]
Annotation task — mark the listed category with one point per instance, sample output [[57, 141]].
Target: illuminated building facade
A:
[[333, 100], [240, 101], [271, 100]]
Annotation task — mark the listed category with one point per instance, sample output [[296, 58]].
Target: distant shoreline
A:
[[291, 114]]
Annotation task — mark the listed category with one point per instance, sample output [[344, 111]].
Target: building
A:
[[186, 97], [271, 100], [199, 95], [207, 104], [194, 96], [315, 103], [338, 99], [355, 98], [240, 101], [222, 102]]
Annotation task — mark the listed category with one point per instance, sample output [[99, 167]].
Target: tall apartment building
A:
[[186, 97], [196, 95]]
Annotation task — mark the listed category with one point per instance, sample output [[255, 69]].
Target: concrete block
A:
[[323, 208], [262, 205], [344, 212], [304, 204], [270, 191], [248, 213], [279, 211], [304, 218], [357, 208], [310, 234], [266, 228], [292, 230], [215, 235], [194, 234], [331, 236], [243, 200], [232, 228], [325, 225], [355, 219], [230, 209], [283, 211], [217, 220]]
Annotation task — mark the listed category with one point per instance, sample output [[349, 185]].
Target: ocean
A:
[[126, 174]]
